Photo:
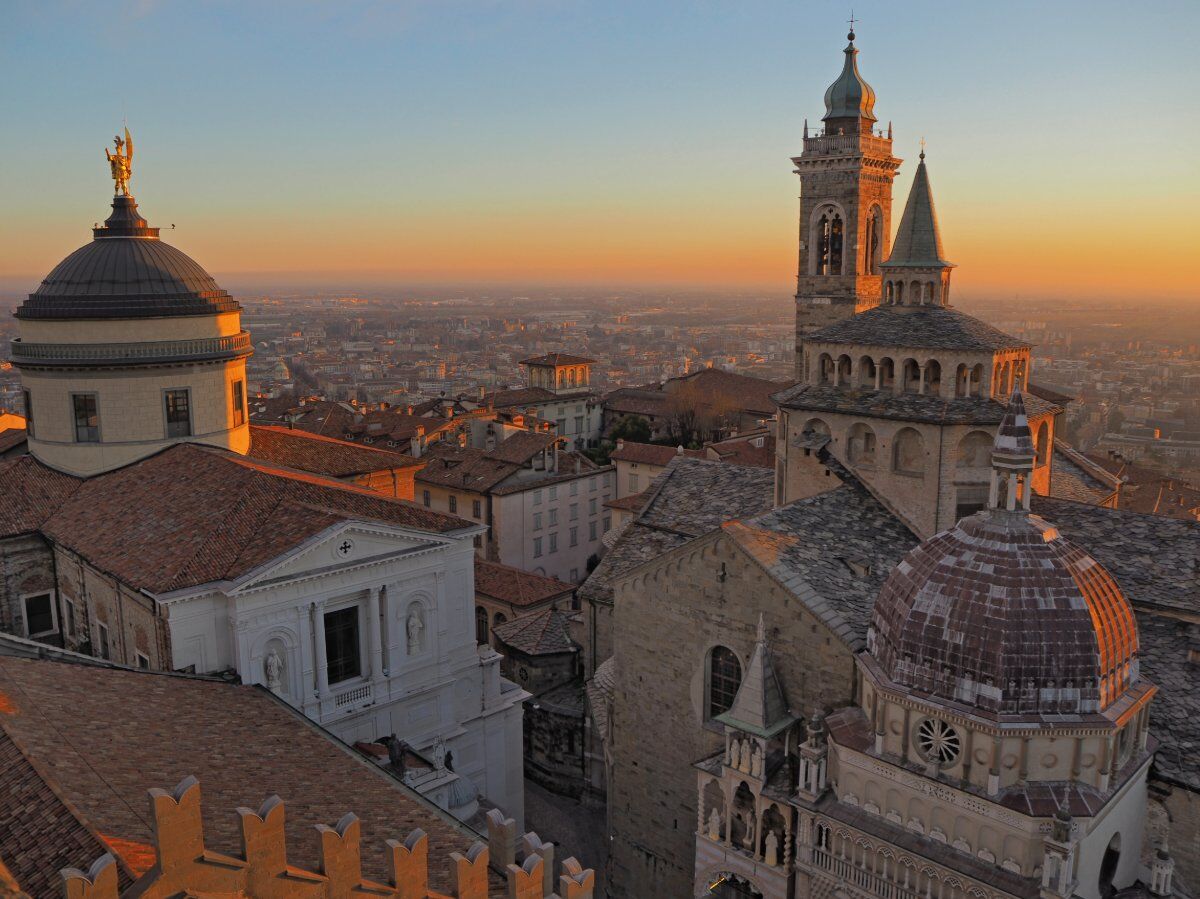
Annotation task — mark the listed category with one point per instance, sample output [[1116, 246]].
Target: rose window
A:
[[938, 741]]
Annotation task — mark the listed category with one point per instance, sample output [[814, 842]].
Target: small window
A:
[[634, 486], [239, 403], [591, 530], [537, 497], [477, 508], [39, 615], [426, 498], [537, 547], [574, 512], [179, 413], [341, 644], [454, 504], [481, 625], [574, 577], [478, 541], [103, 641], [574, 536], [592, 483], [143, 660], [553, 517], [537, 521], [574, 488], [592, 506], [554, 543], [28, 402], [69, 624], [554, 492], [87, 418], [607, 522]]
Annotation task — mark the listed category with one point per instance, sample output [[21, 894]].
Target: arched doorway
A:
[[1108, 865]]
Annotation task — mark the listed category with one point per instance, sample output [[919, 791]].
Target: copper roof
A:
[[126, 272]]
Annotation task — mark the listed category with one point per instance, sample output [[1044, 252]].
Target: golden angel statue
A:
[[121, 163]]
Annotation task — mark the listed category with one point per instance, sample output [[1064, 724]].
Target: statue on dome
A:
[[121, 164]]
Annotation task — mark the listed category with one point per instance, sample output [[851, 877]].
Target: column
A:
[[878, 372], [304, 656], [374, 626], [921, 375], [322, 659]]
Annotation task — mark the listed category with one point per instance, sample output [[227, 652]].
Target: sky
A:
[[604, 143]]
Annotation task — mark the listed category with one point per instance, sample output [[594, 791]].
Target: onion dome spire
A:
[[918, 241], [849, 101]]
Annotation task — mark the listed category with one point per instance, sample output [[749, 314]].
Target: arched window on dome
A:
[[724, 676]]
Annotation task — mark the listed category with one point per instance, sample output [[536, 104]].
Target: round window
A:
[[938, 741]]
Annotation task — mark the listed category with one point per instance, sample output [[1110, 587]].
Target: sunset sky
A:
[[601, 143]]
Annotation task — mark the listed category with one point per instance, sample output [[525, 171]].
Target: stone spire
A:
[[759, 707], [849, 101], [1013, 455], [918, 242]]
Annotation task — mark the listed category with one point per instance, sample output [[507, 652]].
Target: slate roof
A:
[[599, 691], [1167, 644], [542, 633], [191, 514], [523, 446], [905, 406], [690, 498], [321, 455], [126, 272], [918, 241], [558, 359], [516, 586], [833, 551], [1076, 477], [917, 327], [132, 730]]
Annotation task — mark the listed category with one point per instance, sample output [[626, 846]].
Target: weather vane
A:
[[121, 163], [852, 21], [922, 147]]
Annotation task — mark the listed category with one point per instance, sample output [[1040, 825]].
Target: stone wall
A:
[[671, 613]]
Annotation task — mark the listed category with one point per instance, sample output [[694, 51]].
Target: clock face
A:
[[938, 741]]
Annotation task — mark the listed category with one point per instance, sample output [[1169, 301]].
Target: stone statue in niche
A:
[[714, 825], [772, 848], [415, 628], [439, 755], [273, 669], [744, 757], [756, 761], [748, 839]]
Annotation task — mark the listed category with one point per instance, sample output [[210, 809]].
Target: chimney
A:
[[679, 450], [620, 443]]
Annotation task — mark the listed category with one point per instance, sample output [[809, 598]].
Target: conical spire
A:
[[918, 242], [850, 97], [1014, 439], [759, 707]]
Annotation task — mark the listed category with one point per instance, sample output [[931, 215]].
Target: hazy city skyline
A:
[[572, 143]]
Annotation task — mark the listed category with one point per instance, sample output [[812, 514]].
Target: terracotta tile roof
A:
[[40, 834], [650, 453], [523, 446], [637, 401], [740, 451], [567, 472], [321, 455], [132, 730], [541, 633], [464, 468], [633, 502], [521, 396], [192, 515], [558, 359], [745, 392], [516, 586], [12, 438], [31, 492]]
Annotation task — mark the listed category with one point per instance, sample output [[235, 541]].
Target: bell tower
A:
[[846, 174]]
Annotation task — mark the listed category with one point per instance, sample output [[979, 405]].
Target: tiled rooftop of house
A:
[[12, 438], [650, 453], [545, 632], [516, 586], [321, 455], [133, 730]]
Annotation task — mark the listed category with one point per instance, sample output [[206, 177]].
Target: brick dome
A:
[[126, 272], [1004, 615]]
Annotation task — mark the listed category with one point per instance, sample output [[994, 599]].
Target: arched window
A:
[[1043, 443], [866, 372], [962, 380], [908, 453], [933, 377], [844, 368], [912, 376], [887, 374], [899, 285], [976, 386], [873, 243], [825, 369], [481, 625], [975, 451], [498, 620], [815, 426], [889, 293], [724, 678], [830, 235]]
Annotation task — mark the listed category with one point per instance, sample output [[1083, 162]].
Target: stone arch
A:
[[742, 823], [887, 373], [889, 293], [1042, 443], [772, 822], [914, 293], [286, 642], [827, 243], [962, 380], [976, 383], [974, 451], [816, 426], [933, 377], [866, 372], [713, 799], [908, 452], [1006, 378], [873, 245], [910, 375], [899, 293], [843, 374], [861, 444], [825, 370]]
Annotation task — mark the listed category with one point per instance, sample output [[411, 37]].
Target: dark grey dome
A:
[[126, 272]]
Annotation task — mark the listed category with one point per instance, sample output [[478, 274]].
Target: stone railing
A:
[[847, 871], [184, 867], [149, 352], [847, 145]]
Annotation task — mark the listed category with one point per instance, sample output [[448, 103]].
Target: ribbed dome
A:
[[126, 272], [850, 97], [1003, 614]]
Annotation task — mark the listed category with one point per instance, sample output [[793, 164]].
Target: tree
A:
[[633, 428]]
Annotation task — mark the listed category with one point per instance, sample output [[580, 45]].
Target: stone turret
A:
[[917, 272]]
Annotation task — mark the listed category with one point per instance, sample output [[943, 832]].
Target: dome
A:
[[1003, 614], [126, 272], [850, 97]]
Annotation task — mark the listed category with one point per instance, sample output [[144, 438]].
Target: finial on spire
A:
[[806, 127], [850, 36], [922, 148], [121, 163], [762, 629], [889, 130]]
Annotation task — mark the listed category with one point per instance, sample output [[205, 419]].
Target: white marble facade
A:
[[396, 653]]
